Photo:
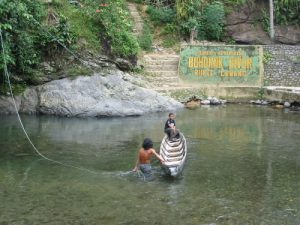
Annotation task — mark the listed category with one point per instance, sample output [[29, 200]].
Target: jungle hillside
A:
[[46, 40]]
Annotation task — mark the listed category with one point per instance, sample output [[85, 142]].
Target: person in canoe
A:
[[170, 127], [143, 161]]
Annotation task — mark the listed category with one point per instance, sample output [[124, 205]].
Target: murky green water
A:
[[243, 167]]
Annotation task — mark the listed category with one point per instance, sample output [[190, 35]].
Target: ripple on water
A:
[[242, 168]]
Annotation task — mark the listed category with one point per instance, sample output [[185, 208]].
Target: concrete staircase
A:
[[138, 21], [161, 68]]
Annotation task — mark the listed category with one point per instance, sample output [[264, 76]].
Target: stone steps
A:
[[139, 23], [166, 79], [162, 57], [137, 19], [134, 13], [161, 67], [162, 73], [132, 6], [138, 27], [163, 62], [162, 70]]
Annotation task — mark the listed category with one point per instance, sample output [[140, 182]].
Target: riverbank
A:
[[124, 95]]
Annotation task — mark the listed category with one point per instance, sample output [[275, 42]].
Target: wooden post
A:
[[193, 35], [271, 6]]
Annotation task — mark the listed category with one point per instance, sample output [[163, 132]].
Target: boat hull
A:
[[174, 155]]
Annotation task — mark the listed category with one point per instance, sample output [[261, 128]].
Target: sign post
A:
[[234, 65]]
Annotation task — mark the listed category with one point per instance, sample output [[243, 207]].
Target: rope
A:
[[6, 74], [19, 118], [139, 172]]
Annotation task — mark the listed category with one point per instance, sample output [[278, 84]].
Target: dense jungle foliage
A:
[[35, 30], [207, 16]]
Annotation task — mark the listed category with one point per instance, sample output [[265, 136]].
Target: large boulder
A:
[[89, 96], [29, 101], [7, 104]]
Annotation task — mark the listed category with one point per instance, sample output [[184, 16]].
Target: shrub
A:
[[189, 15], [59, 33], [26, 43], [171, 35], [145, 39], [116, 29], [161, 15], [28, 39], [80, 23], [234, 2], [206, 18], [20, 36], [213, 17], [287, 11]]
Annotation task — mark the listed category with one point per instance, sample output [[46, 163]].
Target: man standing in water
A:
[[170, 127], [144, 156]]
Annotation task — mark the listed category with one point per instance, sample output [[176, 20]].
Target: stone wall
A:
[[282, 65]]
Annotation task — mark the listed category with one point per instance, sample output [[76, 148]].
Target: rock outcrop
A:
[[245, 26], [90, 96], [287, 34], [7, 104]]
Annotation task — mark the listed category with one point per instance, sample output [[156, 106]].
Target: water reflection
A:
[[243, 168]]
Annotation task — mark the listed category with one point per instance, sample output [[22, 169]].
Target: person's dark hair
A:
[[147, 144], [170, 114]]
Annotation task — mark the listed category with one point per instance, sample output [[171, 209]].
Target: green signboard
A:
[[222, 65]]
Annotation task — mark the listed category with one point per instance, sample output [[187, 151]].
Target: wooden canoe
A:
[[174, 155]]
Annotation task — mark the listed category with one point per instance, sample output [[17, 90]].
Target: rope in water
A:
[[6, 74], [139, 174]]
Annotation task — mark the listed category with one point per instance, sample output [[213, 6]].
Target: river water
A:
[[243, 167]]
